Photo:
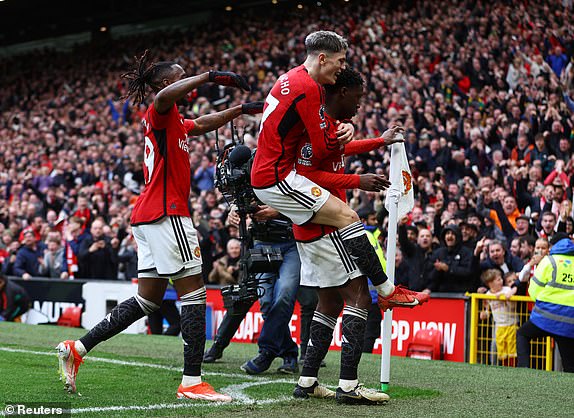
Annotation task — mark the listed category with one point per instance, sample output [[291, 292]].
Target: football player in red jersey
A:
[[161, 221], [295, 109], [326, 264]]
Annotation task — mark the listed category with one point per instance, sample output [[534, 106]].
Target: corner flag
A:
[[400, 200], [401, 182]]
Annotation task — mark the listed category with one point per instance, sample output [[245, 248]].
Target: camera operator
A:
[[280, 291]]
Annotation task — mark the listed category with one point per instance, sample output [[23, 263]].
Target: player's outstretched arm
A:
[[212, 121], [166, 97], [169, 95]]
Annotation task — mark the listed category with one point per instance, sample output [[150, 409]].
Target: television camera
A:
[[233, 179]]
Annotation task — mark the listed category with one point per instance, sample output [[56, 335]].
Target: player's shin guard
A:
[[362, 252], [121, 317], [193, 330], [354, 325], [322, 328]]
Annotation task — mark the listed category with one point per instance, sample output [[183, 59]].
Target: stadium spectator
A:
[[418, 258], [74, 235], [500, 258], [98, 254], [203, 177], [30, 257], [453, 265], [226, 269], [53, 257], [503, 314], [10, 258], [547, 225], [128, 258]]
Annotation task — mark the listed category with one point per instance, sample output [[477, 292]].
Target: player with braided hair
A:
[[161, 221]]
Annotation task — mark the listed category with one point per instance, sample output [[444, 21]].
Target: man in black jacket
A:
[[452, 264], [98, 255], [417, 258]]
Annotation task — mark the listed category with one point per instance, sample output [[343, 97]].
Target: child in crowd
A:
[[541, 249], [503, 314]]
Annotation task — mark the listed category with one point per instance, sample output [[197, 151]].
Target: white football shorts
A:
[[296, 197], [326, 263], [168, 248]]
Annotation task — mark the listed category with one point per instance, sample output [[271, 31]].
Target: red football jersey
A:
[[328, 172], [167, 172], [294, 109]]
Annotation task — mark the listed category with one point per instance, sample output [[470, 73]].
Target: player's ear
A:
[[322, 58]]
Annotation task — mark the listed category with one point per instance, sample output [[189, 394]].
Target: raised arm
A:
[[213, 121], [169, 95]]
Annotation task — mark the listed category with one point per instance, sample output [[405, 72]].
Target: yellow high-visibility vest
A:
[[553, 280], [378, 249]]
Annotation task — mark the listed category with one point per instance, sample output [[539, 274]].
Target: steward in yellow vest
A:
[[552, 288]]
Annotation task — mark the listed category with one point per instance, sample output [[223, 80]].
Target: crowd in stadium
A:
[[484, 90]]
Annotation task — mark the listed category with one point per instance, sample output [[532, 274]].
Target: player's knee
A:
[[349, 216], [330, 308], [147, 305], [361, 300]]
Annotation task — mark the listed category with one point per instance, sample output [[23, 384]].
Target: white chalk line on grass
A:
[[235, 390], [89, 359]]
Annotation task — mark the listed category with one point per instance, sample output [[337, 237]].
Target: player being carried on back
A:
[[295, 110], [325, 264]]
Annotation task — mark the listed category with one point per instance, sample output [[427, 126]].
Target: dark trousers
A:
[[230, 323], [529, 331], [307, 298], [169, 311]]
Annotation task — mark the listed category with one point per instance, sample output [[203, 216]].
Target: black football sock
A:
[[320, 338], [362, 252], [193, 330], [121, 317], [354, 325]]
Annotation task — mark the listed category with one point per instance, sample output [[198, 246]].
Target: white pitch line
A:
[[234, 390], [136, 364]]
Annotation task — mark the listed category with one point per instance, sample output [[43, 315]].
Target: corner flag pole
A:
[[394, 194]]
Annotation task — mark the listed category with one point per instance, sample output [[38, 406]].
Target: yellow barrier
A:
[[483, 333]]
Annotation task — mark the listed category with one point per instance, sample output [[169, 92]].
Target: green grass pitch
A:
[[137, 375]]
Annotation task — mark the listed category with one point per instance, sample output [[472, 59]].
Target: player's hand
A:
[[252, 108], [227, 78], [393, 135], [373, 182], [345, 132], [265, 213]]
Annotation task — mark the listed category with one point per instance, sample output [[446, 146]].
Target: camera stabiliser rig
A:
[[233, 179]]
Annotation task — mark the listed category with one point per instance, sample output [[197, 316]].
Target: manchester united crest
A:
[[407, 181], [315, 191], [197, 252]]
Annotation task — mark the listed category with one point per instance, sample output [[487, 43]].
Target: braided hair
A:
[[145, 74]]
